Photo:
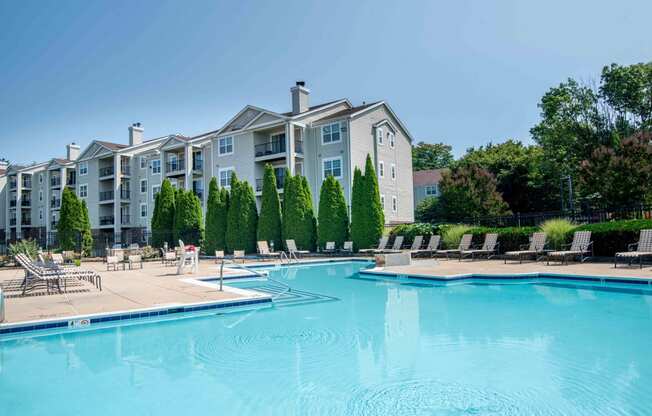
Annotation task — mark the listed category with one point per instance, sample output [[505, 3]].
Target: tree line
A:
[[592, 149], [233, 221]]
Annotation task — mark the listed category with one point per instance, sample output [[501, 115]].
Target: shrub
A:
[[86, 234], [557, 232], [269, 222], [452, 234], [188, 218], [299, 222], [409, 231], [510, 238], [29, 247], [333, 215], [70, 218], [614, 236], [242, 217], [163, 216], [367, 217]]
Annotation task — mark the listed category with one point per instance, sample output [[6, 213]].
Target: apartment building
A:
[[119, 181]]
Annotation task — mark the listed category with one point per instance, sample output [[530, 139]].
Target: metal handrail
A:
[[242, 266]]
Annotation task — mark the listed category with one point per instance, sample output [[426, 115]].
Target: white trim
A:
[[140, 212], [391, 138], [153, 193], [84, 163], [79, 188], [331, 159], [219, 176], [324, 107], [392, 171], [380, 138], [151, 166], [146, 186], [142, 162], [330, 125], [219, 150], [381, 169]]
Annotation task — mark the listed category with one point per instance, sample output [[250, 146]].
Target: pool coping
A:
[[511, 276]]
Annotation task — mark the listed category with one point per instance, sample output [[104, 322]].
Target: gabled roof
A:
[[111, 145], [427, 177], [348, 112], [313, 108]]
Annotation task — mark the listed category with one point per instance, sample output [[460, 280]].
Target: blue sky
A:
[[461, 72]]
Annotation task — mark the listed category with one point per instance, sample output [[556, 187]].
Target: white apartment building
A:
[[119, 181]]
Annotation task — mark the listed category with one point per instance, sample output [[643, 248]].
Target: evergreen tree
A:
[[376, 215], [242, 217], [188, 218], [87, 235], [233, 216], [358, 212], [249, 216], [333, 224], [70, 220], [291, 223], [212, 217], [163, 216], [221, 220], [309, 228], [269, 223]]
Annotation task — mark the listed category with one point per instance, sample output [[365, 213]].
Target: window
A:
[[394, 204], [393, 172], [40, 195], [83, 168], [391, 138], [143, 162], [155, 190], [143, 210], [40, 213], [379, 136], [431, 190], [382, 201], [155, 166], [143, 186], [225, 146], [381, 169], [83, 191], [331, 133], [225, 177], [40, 178], [332, 167]]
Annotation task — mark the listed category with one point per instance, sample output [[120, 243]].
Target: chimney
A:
[[4, 164], [135, 134], [300, 95], [72, 151]]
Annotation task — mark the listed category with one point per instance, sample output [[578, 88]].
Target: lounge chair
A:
[[239, 255], [396, 246], [433, 245], [135, 259], [637, 250], [489, 248], [465, 244], [330, 248], [535, 249], [581, 247], [416, 244], [292, 249], [382, 245], [36, 274], [347, 248], [219, 256], [112, 263], [263, 250], [168, 258], [57, 258]]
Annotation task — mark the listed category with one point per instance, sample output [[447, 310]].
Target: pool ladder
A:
[[286, 287], [289, 256]]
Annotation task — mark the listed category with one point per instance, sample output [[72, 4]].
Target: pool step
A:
[[293, 297]]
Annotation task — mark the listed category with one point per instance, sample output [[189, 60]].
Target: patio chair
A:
[[382, 244], [330, 248], [219, 256], [239, 255], [431, 248], [57, 258], [396, 246], [135, 259], [58, 272], [637, 250], [264, 252], [168, 258], [581, 247], [465, 244], [416, 243], [112, 263], [489, 248], [35, 275], [347, 248], [292, 249], [536, 249]]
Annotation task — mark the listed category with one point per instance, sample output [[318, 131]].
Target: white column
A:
[[117, 181], [289, 146], [47, 203], [188, 157], [19, 203]]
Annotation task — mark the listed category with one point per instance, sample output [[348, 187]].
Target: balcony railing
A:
[[280, 180], [125, 194], [175, 166], [125, 170], [275, 147], [55, 181], [106, 171], [25, 202], [27, 183], [106, 195], [12, 203], [71, 181], [12, 221], [55, 203], [125, 219], [106, 220], [12, 184], [25, 221], [197, 164]]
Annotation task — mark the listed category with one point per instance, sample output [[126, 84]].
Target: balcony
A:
[[27, 183], [175, 167], [25, 221], [12, 184], [71, 181], [12, 203], [275, 148], [125, 219], [12, 222], [106, 220], [280, 181], [55, 203], [54, 223], [108, 195], [55, 181], [107, 171], [198, 164], [26, 203]]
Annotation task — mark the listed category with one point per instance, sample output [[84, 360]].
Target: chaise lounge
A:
[[535, 249], [637, 250], [581, 247]]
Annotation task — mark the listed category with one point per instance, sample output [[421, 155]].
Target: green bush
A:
[[409, 231], [557, 232], [613, 236], [452, 234], [333, 216], [188, 226], [269, 221], [70, 219], [242, 217], [367, 216], [29, 247], [510, 238], [163, 216]]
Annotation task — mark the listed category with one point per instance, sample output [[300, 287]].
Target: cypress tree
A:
[[212, 217], [163, 216], [188, 218], [269, 223], [371, 195], [333, 222], [249, 217], [221, 221], [242, 217], [309, 222], [292, 215], [87, 235], [233, 216], [358, 212], [70, 217]]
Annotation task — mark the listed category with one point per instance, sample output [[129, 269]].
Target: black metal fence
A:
[[580, 216]]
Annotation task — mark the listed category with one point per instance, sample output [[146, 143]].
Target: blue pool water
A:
[[340, 343]]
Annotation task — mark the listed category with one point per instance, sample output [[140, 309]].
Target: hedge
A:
[[613, 236], [409, 231]]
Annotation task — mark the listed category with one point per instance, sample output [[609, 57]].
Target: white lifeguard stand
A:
[[189, 257]]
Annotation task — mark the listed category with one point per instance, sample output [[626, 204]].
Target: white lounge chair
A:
[[581, 247], [168, 258], [239, 255], [292, 249], [382, 245], [263, 250], [135, 259], [465, 244], [416, 244], [489, 248], [433, 245], [219, 256], [329, 248], [637, 250], [535, 249], [347, 248]]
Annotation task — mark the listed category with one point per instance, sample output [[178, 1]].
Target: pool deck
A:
[[451, 269]]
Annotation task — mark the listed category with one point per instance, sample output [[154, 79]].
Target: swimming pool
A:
[[342, 343]]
